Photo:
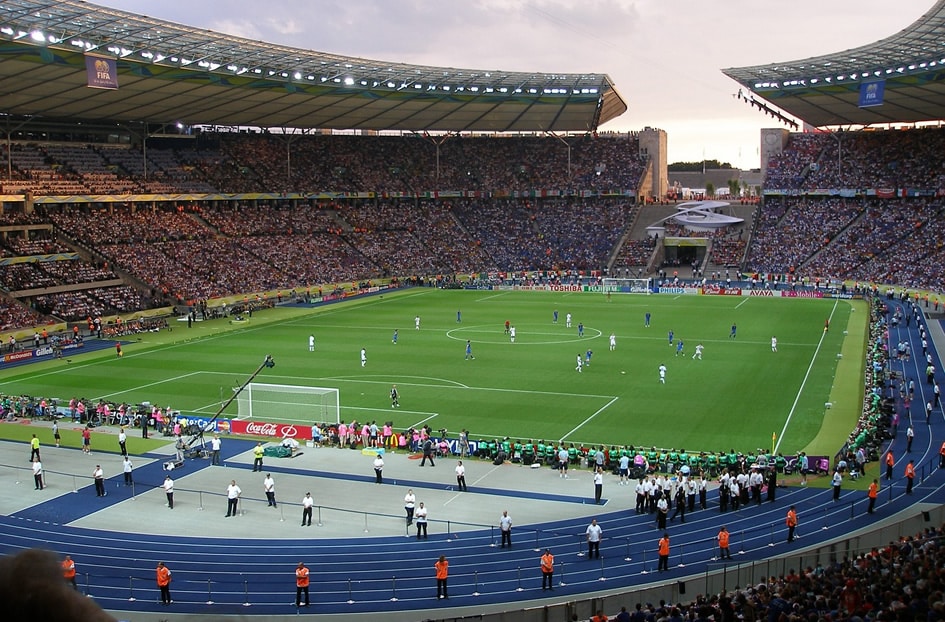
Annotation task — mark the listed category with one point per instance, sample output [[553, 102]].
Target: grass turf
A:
[[738, 396]]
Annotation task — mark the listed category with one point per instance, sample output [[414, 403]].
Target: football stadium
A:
[[366, 339]]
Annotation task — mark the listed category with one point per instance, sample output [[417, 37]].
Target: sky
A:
[[664, 56]]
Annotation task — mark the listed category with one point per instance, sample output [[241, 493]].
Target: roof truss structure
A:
[[825, 90], [170, 73]]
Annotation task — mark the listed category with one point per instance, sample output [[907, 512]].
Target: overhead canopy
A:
[[169, 73], [908, 67]]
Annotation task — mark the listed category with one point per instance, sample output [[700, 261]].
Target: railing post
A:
[[365, 523], [476, 583], [350, 599], [519, 588], [319, 523], [209, 595], [644, 571], [393, 588], [131, 589], [200, 501], [245, 593], [602, 577], [628, 558]]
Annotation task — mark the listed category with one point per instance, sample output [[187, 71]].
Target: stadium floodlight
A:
[[38, 36]]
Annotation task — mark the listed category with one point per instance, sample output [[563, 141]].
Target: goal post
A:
[[283, 402], [627, 286]]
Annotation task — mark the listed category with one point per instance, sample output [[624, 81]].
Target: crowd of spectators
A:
[[252, 163], [791, 230], [903, 580], [879, 240], [912, 158], [197, 251]]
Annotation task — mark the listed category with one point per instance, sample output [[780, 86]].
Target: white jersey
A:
[[613, 341], [416, 322]]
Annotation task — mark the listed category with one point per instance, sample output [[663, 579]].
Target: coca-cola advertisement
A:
[[263, 428]]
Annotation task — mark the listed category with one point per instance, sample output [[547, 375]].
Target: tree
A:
[[709, 189]]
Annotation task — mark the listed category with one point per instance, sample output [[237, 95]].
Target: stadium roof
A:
[[170, 73], [825, 90]]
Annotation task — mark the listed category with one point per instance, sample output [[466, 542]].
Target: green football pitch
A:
[[738, 396]]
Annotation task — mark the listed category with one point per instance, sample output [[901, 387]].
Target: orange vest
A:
[[664, 546], [163, 576], [441, 569], [910, 471], [68, 569], [942, 450], [547, 563], [791, 518], [723, 539], [873, 490], [301, 577], [889, 458]]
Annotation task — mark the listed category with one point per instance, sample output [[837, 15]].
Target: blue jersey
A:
[[679, 346], [556, 315], [670, 337]]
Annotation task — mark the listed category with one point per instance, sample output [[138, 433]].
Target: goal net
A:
[[627, 286], [283, 402]]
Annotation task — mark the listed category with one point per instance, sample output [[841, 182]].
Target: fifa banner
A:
[[871, 93], [101, 72]]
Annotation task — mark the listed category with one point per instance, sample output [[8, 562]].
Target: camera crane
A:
[[200, 450]]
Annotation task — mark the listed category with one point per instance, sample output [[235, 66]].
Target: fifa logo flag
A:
[[871, 93], [101, 73]]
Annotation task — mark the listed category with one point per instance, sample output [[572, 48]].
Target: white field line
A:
[[800, 389], [583, 423], [150, 384]]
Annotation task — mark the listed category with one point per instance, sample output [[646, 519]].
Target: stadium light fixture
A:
[[390, 85], [38, 36], [9, 31], [349, 81]]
